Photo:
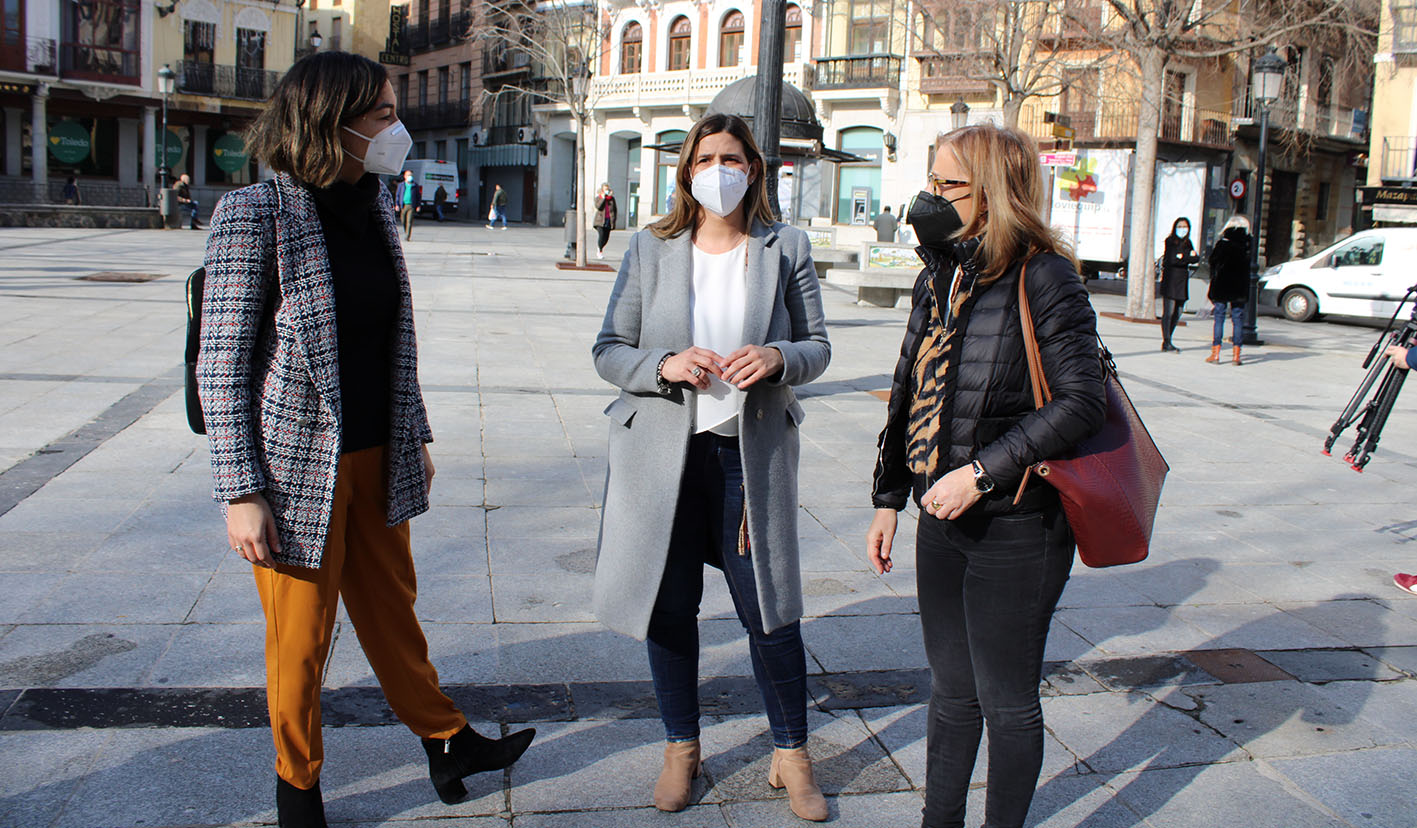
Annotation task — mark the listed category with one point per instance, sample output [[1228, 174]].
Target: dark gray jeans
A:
[[988, 587]]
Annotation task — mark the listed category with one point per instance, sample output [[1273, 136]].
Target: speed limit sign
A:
[[1237, 188]]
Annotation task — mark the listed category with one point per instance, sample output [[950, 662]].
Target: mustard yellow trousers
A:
[[370, 565]]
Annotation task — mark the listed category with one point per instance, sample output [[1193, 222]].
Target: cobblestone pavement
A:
[[1258, 669]]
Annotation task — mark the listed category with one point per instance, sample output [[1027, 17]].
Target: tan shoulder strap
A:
[[1041, 393]]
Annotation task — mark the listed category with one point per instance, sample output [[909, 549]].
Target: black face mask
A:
[[935, 220]]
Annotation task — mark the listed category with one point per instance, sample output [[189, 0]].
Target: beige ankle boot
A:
[[1214, 354], [682, 765], [792, 769]]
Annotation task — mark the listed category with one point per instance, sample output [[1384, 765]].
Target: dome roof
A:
[[799, 117]]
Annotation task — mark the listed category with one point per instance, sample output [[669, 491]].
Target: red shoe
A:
[[1405, 582]]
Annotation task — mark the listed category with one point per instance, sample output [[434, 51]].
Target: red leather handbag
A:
[[1110, 483]]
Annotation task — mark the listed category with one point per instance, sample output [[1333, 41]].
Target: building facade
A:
[[1390, 196]]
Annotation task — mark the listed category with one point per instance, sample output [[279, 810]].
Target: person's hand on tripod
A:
[[1399, 356]]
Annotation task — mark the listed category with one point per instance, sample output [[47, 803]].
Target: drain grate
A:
[[121, 276]]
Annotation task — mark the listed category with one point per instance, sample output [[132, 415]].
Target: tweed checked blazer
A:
[[270, 392]]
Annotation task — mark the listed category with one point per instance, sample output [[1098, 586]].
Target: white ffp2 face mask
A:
[[719, 189], [387, 150], [1182, 232]]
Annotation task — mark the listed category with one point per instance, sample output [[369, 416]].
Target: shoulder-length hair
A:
[[299, 130], [684, 214], [1006, 182], [1177, 223]]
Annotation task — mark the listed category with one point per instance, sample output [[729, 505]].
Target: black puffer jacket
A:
[[992, 417], [1230, 267]]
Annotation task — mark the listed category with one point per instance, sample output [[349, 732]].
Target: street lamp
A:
[[1268, 79], [316, 39], [959, 114], [166, 83]]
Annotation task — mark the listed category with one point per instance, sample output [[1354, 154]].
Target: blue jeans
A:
[[1237, 320], [194, 211], [500, 215], [987, 587], [706, 531]]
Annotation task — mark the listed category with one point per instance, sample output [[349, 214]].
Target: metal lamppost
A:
[[316, 40], [959, 114], [767, 108], [1268, 79], [166, 83]]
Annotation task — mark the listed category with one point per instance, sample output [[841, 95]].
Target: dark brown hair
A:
[[299, 130], [684, 214], [1006, 182]]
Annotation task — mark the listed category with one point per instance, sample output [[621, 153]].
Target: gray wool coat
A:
[[649, 316]]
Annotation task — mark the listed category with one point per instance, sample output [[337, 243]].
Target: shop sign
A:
[[174, 149], [229, 153], [69, 142], [1389, 195]]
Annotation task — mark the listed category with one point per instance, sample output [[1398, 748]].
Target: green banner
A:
[[174, 149], [229, 153], [69, 142]]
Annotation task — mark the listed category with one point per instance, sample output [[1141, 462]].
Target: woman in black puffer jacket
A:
[[1230, 283], [992, 554]]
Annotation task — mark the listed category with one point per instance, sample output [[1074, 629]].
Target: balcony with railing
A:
[[499, 60], [876, 71], [694, 87], [34, 55], [1321, 120], [449, 114], [84, 61], [1398, 164], [1117, 121], [225, 81], [949, 74]]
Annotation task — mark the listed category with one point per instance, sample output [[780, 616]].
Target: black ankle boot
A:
[[469, 752], [299, 809]]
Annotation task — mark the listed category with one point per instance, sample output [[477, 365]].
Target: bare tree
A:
[[1010, 45], [558, 44], [1151, 34]]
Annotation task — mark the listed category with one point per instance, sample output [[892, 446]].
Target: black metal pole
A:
[[162, 164], [767, 108], [1251, 334]]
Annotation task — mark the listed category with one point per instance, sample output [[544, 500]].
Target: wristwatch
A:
[[982, 481]]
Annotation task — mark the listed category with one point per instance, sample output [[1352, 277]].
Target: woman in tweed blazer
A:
[[308, 377]]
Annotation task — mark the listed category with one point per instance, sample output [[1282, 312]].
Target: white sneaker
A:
[[600, 254]]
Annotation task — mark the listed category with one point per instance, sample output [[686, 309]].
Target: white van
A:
[[1366, 274], [429, 174]]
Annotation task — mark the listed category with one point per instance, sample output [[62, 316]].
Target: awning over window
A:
[[505, 155]]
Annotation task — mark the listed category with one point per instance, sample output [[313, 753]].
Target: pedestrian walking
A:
[[992, 553], [440, 197], [407, 201], [605, 217], [71, 190], [499, 208], [885, 225], [1178, 257], [1404, 359], [715, 318], [183, 191], [1230, 284], [317, 424]]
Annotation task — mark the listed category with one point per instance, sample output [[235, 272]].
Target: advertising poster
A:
[[1090, 203], [1180, 193]]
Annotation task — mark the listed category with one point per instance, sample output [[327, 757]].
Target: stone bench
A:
[[71, 215], [828, 258], [887, 276]]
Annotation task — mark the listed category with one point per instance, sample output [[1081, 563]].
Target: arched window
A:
[[792, 44], [631, 39], [858, 186], [665, 164], [730, 39], [679, 35]]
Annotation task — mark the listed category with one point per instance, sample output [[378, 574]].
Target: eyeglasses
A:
[[939, 185]]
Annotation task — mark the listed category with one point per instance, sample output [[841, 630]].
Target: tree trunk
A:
[[1141, 281], [1012, 106], [580, 193]]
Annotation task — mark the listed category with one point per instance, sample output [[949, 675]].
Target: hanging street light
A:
[[166, 84], [1268, 81], [959, 114]]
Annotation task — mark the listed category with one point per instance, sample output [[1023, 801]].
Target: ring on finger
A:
[[936, 504], [697, 372]]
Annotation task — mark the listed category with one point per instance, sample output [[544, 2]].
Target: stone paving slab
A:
[[117, 578]]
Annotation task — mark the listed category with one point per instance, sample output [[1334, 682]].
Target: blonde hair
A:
[[1239, 221], [684, 214], [1006, 182]]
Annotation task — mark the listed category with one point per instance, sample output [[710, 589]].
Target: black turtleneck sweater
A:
[[367, 304]]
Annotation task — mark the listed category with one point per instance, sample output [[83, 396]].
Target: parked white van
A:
[[1366, 274]]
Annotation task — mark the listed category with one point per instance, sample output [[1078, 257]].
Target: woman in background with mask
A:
[[309, 385], [992, 546], [715, 317], [1178, 256]]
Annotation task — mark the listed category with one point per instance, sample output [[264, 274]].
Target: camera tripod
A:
[[1371, 413]]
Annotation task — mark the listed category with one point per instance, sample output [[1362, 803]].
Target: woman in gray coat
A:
[[715, 316]]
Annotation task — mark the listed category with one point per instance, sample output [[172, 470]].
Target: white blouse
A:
[[720, 300]]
